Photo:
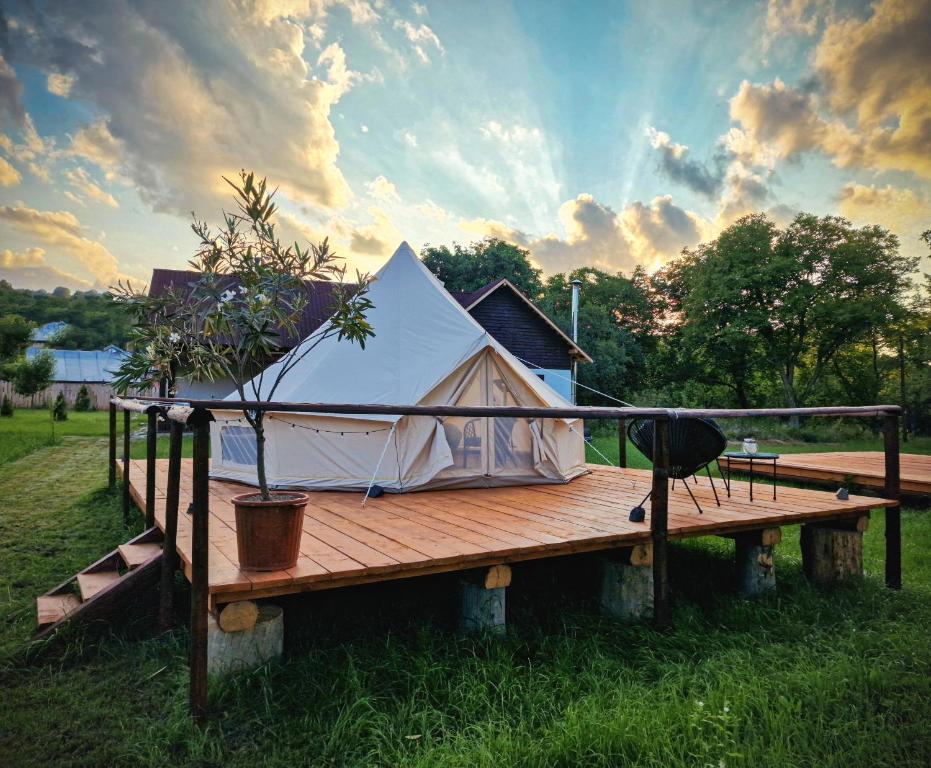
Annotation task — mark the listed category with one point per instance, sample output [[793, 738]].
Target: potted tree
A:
[[250, 292]]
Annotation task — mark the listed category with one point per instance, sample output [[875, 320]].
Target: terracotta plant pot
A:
[[268, 533]]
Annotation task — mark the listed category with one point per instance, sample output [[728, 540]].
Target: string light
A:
[[341, 433]]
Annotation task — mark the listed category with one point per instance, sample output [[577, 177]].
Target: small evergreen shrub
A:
[[82, 401], [60, 409], [6, 406]]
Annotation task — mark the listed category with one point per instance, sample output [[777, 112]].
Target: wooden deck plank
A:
[[866, 468], [402, 535]]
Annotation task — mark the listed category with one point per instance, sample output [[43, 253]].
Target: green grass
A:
[[376, 676], [30, 429]]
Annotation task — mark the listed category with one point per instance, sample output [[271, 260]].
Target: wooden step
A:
[[92, 583], [135, 555], [52, 608]]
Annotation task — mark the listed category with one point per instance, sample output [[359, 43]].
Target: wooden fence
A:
[[100, 394]]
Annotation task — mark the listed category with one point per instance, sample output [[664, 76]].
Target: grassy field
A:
[[375, 675]]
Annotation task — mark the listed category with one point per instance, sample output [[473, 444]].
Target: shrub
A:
[[60, 409], [82, 401], [6, 406]]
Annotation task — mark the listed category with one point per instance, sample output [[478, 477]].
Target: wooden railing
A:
[[197, 415]]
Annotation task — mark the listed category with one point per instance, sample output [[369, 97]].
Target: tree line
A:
[[94, 321], [817, 312]]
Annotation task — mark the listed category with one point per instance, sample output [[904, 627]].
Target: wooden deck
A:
[[414, 534], [865, 468]]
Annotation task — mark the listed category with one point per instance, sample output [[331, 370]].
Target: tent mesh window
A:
[[238, 445]]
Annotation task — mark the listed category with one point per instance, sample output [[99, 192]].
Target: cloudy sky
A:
[[611, 134]]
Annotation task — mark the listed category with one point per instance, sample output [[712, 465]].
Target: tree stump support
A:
[[243, 649], [627, 583], [482, 600], [756, 572], [832, 551]]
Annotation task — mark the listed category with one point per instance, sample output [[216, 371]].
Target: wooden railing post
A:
[[151, 448], [112, 455], [200, 419], [622, 442], [170, 544], [127, 416], [893, 514], [659, 522]]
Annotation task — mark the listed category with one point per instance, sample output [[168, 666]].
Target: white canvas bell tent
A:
[[427, 350]]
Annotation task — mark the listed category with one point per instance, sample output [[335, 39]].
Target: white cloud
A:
[[60, 84], [870, 106], [382, 189], [904, 211], [31, 150], [86, 187], [95, 143], [596, 235], [28, 269], [184, 102], [420, 37], [10, 93], [9, 176], [61, 231], [678, 166], [793, 17], [410, 139]]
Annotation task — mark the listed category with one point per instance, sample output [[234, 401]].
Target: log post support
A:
[[127, 500], [170, 542], [200, 420], [832, 551], [256, 635], [756, 571], [482, 600], [627, 583], [151, 447], [111, 477], [659, 509], [891, 490]]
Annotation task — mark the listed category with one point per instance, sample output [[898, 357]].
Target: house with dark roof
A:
[[499, 307]]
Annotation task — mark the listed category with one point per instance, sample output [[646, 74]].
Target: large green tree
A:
[[30, 377], [790, 299], [15, 333], [94, 319], [616, 325], [469, 267]]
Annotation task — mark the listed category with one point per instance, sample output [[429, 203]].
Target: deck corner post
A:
[[127, 499], [151, 446], [200, 419], [111, 476], [622, 443], [892, 490], [659, 524], [170, 542]]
